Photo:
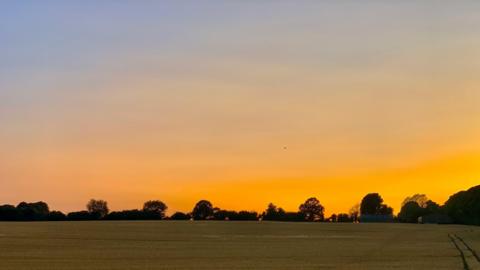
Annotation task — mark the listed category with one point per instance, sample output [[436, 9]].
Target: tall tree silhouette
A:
[[202, 210], [354, 212], [410, 212], [416, 206], [97, 208], [273, 213], [155, 209], [464, 206], [372, 204], [312, 209]]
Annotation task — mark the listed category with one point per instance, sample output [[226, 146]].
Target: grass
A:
[[229, 245]]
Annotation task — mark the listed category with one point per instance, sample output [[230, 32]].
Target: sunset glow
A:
[[239, 103]]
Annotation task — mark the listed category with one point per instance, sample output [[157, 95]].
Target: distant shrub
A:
[[56, 216], [245, 215], [180, 216], [8, 213], [274, 213], [376, 218], [127, 215], [81, 216], [219, 214], [344, 217]]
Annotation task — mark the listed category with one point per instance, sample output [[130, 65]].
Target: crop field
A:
[[236, 245]]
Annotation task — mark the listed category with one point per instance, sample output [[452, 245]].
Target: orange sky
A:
[[239, 103]]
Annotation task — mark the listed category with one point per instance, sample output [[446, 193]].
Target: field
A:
[[235, 245]]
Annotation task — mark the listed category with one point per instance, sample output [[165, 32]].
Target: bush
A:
[[8, 213], [56, 216], [180, 216], [81, 216], [127, 215]]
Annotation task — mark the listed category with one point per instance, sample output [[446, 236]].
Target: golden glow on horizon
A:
[[127, 186]]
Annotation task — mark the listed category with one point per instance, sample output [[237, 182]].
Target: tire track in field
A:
[[468, 247], [470, 258], [462, 255]]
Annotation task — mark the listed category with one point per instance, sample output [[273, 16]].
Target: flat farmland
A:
[[235, 245]]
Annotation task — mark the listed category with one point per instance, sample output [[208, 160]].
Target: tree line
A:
[[462, 208]]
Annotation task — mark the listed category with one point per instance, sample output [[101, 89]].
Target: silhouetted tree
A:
[[202, 210], [155, 209], [432, 207], [354, 212], [343, 217], [180, 216], [385, 210], [32, 211], [420, 199], [415, 207], [273, 213], [410, 212], [332, 218], [97, 208], [372, 209], [372, 205], [464, 206], [312, 209]]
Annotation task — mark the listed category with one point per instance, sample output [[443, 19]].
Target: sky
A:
[[239, 102]]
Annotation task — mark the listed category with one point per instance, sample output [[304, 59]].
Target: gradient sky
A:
[[239, 102]]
